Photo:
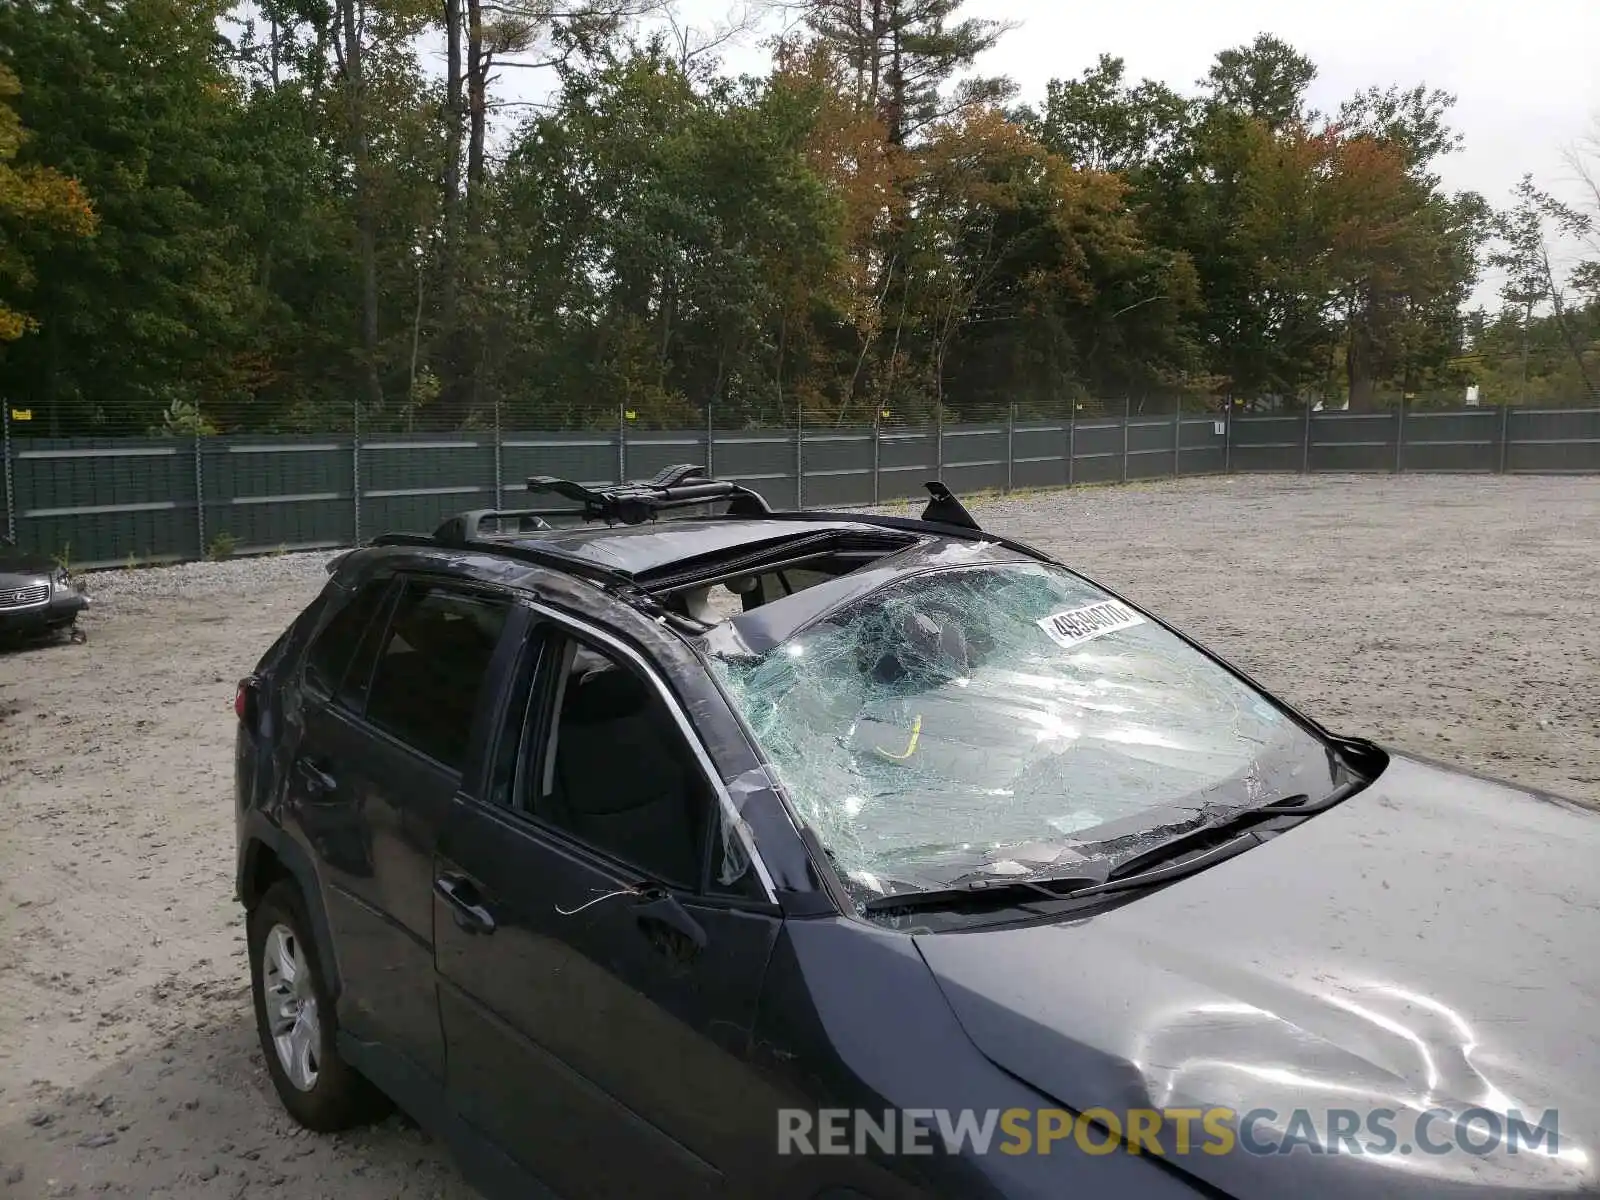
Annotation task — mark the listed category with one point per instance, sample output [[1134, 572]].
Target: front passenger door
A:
[[599, 979]]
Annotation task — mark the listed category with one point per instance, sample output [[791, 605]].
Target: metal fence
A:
[[106, 502]]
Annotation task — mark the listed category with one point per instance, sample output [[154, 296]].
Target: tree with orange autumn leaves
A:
[[34, 196], [971, 243], [1366, 261], [302, 224]]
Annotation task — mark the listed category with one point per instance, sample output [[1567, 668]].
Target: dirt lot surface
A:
[[1456, 617]]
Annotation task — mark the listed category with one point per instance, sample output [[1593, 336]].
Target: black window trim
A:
[[529, 653], [537, 641], [472, 763]]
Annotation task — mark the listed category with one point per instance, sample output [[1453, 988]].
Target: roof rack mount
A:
[[944, 508], [465, 527], [683, 486]]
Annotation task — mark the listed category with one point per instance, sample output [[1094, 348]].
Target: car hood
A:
[[19, 567], [1433, 942]]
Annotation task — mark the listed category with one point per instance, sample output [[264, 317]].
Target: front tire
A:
[[296, 1022]]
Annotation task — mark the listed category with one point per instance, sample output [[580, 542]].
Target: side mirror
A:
[[669, 926]]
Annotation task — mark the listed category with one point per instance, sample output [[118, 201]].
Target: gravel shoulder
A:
[[1455, 617]]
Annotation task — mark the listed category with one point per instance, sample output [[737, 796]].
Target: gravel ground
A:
[[1451, 616]]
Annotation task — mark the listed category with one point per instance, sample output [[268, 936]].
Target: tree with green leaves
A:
[[1099, 122], [301, 221], [1265, 81], [1531, 281], [35, 201], [905, 53], [131, 99]]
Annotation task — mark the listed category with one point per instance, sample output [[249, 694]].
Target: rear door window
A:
[[328, 660], [431, 668]]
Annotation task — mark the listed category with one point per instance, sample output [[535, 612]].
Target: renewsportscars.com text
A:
[[1167, 1132]]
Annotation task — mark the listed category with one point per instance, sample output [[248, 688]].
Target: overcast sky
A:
[[1526, 73]]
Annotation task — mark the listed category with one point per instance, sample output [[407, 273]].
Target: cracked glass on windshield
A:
[[1008, 719]]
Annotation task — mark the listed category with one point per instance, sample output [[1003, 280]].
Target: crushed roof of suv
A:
[[643, 550]]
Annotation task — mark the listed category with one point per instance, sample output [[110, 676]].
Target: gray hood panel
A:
[[1432, 942]]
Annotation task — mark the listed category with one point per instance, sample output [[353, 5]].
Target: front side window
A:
[[434, 658], [1005, 720], [603, 759]]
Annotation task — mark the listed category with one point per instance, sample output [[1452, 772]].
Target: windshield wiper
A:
[[1274, 817], [1186, 854], [984, 893]]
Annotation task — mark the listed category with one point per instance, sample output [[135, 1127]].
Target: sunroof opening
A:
[[712, 590]]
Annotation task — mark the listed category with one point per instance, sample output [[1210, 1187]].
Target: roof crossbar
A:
[[682, 486]]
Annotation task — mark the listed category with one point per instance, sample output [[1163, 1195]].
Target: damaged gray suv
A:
[[828, 856]]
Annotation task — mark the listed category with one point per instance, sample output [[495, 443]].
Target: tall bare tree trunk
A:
[[455, 126], [1559, 311], [1359, 358], [454, 355], [468, 351], [895, 116], [478, 64], [874, 53], [366, 224], [273, 35]]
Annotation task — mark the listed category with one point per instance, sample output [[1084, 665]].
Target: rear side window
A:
[[431, 668], [330, 654]]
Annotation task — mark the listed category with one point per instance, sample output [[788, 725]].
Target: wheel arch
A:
[[269, 857]]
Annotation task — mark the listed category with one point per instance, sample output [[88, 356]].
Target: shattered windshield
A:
[[1007, 719]]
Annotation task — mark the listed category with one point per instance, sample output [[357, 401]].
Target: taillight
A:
[[243, 699]]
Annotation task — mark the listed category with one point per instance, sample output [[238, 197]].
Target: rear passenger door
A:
[[383, 758], [600, 955]]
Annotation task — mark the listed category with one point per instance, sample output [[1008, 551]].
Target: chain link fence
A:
[[189, 492]]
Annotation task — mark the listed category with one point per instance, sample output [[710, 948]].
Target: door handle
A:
[[464, 901], [316, 779]]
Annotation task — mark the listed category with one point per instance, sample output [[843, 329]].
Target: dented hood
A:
[[1433, 942]]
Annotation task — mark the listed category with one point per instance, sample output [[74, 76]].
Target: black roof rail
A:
[[683, 486], [536, 556], [617, 583]]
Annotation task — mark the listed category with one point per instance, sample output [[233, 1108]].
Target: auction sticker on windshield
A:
[[1078, 625]]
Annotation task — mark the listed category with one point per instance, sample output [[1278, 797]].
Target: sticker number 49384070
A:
[[1077, 625]]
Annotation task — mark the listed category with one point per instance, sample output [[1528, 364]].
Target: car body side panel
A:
[[610, 1067], [263, 846], [361, 850], [610, 1059], [852, 1019], [486, 1164], [373, 835]]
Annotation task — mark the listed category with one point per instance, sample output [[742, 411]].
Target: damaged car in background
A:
[[38, 597], [832, 856]]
